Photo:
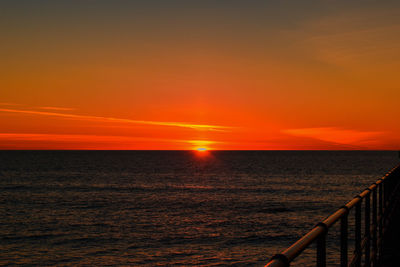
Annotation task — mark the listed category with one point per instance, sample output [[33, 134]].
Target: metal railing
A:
[[385, 198]]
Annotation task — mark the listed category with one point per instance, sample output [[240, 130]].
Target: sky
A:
[[234, 75]]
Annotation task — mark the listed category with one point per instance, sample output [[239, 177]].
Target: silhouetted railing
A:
[[368, 247]]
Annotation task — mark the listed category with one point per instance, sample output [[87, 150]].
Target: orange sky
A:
[[179, 75]]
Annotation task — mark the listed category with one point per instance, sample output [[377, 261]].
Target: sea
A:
[[174, 208]]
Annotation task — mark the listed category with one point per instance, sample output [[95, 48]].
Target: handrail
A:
[[384, 197]]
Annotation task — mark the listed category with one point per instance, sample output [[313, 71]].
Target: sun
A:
[[202, 152], [201, 146]]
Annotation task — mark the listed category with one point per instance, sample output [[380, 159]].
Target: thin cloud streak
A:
[[204, 127], [9, 104], [95, 138], [336, 135], [77, 137], [57, 108]]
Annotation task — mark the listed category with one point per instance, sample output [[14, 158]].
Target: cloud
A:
[[93, 139], [203, 143], [57, 108], [9, 104], [336, 135], [74, 137], [205, 127], [353, 39]]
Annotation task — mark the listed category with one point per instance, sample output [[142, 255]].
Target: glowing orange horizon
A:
[[117, 134]]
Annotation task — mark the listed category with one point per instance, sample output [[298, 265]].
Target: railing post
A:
[[358, 234], [321, 246], [367, 217], [380, 221], [343, 240], [385, 194], [321, 251], [374, 229]]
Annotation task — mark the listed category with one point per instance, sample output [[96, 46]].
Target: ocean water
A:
[[159, 208]]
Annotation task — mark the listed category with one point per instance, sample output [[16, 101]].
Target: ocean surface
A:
[[159, 208]]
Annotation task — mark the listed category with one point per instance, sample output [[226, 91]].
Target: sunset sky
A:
[[220, 74]]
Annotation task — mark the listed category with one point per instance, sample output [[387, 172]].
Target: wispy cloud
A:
[[75, 137], [57, 108], [9, 104], [336, 135], [202, 143], [127, 141], [353, 39], [205, 127]]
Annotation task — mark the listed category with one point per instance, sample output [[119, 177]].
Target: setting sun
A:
[[201, 149]]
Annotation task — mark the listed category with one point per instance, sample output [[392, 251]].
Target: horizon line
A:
[[209, 150]]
